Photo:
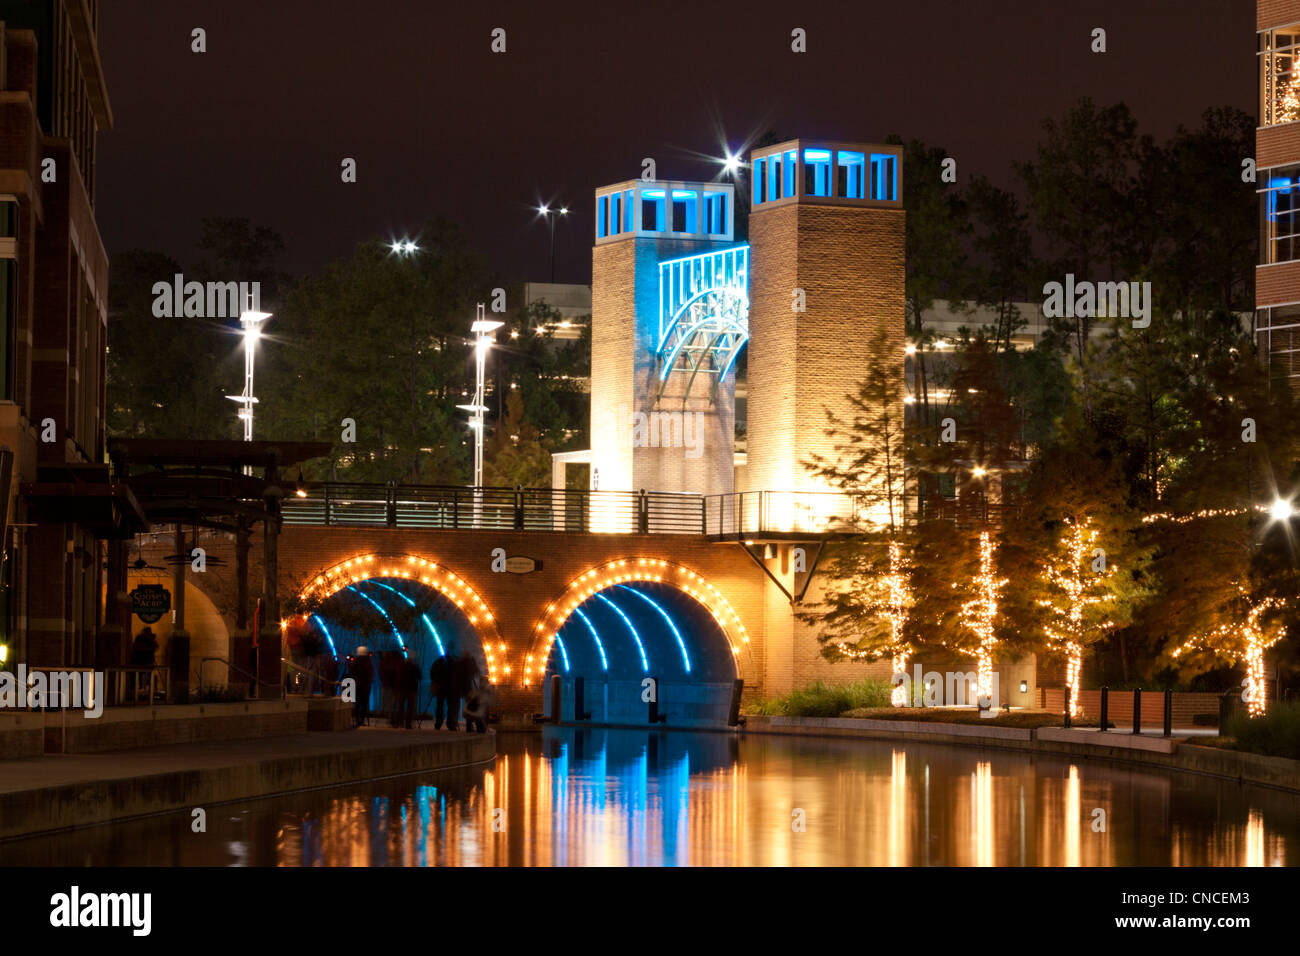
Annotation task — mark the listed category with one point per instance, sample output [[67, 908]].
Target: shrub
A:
[[825, 700], [1276, 733]]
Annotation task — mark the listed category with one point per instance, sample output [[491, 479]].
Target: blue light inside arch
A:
[[379, 608], [563, 653], [686, 660], [424, 617], [604, 664], [333, 651], [645, 664]]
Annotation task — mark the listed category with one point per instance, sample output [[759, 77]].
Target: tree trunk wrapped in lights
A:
[[1243, 642], [1079, 581], [979, 614]]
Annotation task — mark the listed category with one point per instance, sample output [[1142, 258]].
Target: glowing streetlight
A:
[[550, 214], [731, 165], [484, 330], [250, 321], [1282, 510], [403, 247]]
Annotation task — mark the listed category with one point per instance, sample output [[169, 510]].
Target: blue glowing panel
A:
[[379, 608], [328, 637], [760, 180], [602, 215], [563, 653], [432, 630], [615, 215], [789, 168], [627, 210]]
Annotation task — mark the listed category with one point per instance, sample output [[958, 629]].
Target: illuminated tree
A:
[[979, 614], [1242, 642], [1288, 100], [1080, 598]]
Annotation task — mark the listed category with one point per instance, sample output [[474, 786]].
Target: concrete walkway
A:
[[59, 791]]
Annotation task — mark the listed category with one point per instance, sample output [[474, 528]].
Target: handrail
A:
[[234, 667]]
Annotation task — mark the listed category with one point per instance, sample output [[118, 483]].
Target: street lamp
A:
[[403, 247], [484, 330], [1282, 509], [250, 321], [550, 214]]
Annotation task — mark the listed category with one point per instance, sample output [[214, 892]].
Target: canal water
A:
[[573, 796]]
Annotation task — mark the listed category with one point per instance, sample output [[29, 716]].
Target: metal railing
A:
[[442, 507], [790, 512]]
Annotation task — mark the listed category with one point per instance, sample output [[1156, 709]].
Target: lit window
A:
[[627, 210], [790, 165], [1279, 215], [884, 176], [684, 201], [816, 172], [850, 175], [715, 210], [1279, 75], [615, 214], [654, 211], [602, 216], [760, 181]]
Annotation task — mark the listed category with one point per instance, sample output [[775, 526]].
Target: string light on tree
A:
[[1243, 642], [1080, 598], [980, 613]]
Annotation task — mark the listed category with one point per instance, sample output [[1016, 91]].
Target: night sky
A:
[[258, 125]]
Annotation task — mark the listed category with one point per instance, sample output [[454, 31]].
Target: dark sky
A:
[[258, 125]]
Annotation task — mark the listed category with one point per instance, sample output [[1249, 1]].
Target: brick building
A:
[[53, 326], [1277, 157]]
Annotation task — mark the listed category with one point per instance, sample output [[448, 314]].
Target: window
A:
[[615, 213], [884, 176], [602, 217], [760, 181], [1279, 215], [654, 212], [715, 211], [789, 168], [850, 175], [627, 210], [684, 201], [8, 319], [8, 219], [1279, 75], [816, 172], [1277, 336]]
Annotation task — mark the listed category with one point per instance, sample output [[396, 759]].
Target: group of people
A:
[[452, 679]]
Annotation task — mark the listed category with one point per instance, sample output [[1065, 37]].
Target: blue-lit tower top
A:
[[827, 173], [665, 210]]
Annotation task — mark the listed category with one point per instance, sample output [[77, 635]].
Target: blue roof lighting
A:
[[686, 660]]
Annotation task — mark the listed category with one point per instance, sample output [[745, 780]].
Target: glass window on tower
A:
[[1279, 215], [816, 172], [1279, 75], [850, 175]]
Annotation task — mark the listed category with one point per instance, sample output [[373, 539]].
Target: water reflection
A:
[[636, 798]]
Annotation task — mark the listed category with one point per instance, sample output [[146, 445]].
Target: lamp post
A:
[[484, 330], [550, 215], [250, 320]]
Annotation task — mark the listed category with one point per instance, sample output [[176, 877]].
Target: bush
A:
[[1276, 733], [824, 700]]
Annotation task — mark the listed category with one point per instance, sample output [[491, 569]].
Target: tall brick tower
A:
[[666, 281], [826, 235]]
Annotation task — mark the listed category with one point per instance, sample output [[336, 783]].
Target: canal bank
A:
[[41, 794], [1171, 753]]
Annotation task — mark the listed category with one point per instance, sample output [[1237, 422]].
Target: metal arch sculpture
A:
[[703, 315]]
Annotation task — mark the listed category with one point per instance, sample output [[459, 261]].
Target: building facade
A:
[[1277, 158], [53, 334]]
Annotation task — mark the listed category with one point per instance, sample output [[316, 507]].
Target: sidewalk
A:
[[60, 791]]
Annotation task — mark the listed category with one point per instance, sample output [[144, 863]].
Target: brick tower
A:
[[827, 219], [662, 404]]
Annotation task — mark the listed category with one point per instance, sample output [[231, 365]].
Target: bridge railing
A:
[[788, 512], [453, 507]]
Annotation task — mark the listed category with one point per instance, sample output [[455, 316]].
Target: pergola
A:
[[222, 485]]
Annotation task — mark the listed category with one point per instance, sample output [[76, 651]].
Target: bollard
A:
[[1068, 690], [1105, 707], [1169, 713], [580, 711], [1137, 711], [557, 695], [733, 712], [654, 716]]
